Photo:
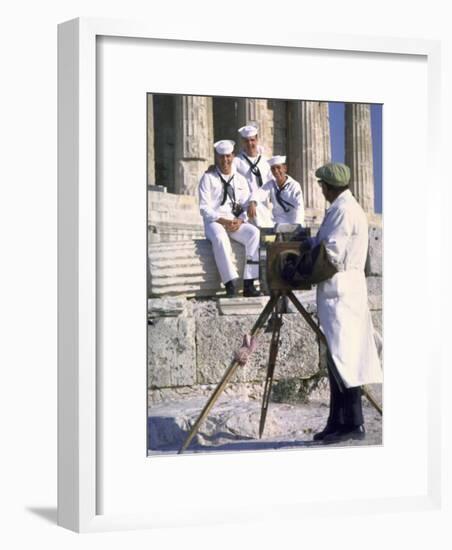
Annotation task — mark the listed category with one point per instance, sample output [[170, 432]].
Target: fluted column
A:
[[194, 141], [325, 129], [359, 154], [306, 149], [256, 111], [150, 140]]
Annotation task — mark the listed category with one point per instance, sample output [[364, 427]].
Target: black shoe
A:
[[330, 428], [357, 433], [231, 289], [248, 289]]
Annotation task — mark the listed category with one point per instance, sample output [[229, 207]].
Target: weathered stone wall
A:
[[192, 341]]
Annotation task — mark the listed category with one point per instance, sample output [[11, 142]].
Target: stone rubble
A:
[[233, 424]]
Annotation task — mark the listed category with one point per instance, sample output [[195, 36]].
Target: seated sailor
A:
[[253, 166], [223, 197], [284, 192]]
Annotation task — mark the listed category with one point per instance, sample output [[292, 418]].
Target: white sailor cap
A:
[[224, 146], [248, 131], [278, 159]]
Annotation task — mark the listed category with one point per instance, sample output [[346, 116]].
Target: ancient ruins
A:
[[193, 332]]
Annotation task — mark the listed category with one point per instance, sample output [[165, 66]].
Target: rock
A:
[[171, 352], [218, 339], [205, 308], [246, 391], [232, 424], [167, 307]]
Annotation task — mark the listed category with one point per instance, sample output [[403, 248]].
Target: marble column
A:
[[150, 140], [194, 141], [325, 129], [306, 148], [256, 111], [359, 154]]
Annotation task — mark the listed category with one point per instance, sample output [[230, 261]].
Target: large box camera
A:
[[276, 246]]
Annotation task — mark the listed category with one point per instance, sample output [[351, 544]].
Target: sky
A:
[[337, 113]]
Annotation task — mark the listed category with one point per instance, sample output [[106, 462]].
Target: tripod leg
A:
[[228, 374], [277, 322], [368, 395], [320, 334]]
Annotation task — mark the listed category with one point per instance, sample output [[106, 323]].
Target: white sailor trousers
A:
[[248, 235]]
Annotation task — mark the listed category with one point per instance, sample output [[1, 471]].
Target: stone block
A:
[[219, 338], [242, 306], [167, 307], [375, 292], [205, 308], [377, 320], [376, 250], [171, 352]]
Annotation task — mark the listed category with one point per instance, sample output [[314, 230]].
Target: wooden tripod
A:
[[270, 308]]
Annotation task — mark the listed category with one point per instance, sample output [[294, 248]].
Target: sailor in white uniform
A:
[[223, 199], [284, 193], [252, 164]]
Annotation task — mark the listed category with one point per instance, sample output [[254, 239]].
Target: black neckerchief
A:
[[228, 190], [254, 168], [285, 205]]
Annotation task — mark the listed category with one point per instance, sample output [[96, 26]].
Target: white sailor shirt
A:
[[287, 200], [211, 192], [243, 167]]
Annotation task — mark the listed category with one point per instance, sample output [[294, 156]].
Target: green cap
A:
[[334, 173]]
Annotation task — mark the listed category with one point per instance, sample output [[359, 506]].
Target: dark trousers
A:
[[345, 406]]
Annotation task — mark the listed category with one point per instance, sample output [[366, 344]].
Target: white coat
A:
[[263, 215], [290, 195], [342, 300]]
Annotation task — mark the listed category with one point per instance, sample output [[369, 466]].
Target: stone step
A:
[[187, 268]]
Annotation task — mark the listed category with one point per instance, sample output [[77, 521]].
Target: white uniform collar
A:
[[288, 180], [343, 197], [242, 152], [218, 171]]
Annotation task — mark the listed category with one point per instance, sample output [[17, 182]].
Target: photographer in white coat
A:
[[342, 306], [223, 197], [253, 166], [284, 193]]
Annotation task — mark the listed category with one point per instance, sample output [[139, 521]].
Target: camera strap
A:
[[228, 190], [254, 168], [285, 205]]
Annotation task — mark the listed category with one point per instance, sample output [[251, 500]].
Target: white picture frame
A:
[[79, 449]]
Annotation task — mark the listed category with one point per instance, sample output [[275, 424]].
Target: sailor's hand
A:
[[251, 210], [234, 225]]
